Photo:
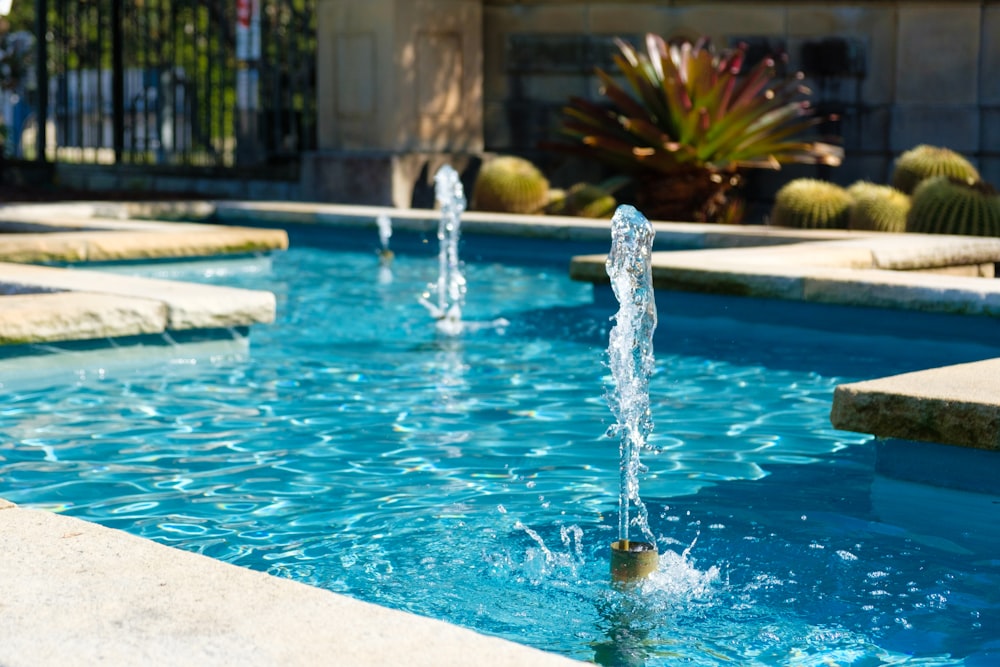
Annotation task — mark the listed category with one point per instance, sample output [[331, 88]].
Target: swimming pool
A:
[[468, 478]]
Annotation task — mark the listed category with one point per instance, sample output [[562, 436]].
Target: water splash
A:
[[385, 255], [384, 223], [630, 355], [450, 286]]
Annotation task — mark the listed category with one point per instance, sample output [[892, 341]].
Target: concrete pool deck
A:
[[73, 592]]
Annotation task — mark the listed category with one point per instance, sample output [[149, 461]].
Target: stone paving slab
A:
[[848, 271], [110, 231], [188, 305], [124, 600], [956, 405], [64, 316]]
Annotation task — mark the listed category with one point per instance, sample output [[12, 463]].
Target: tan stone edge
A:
[[955, 405], [63, 316], [188, 305], [76, 593]]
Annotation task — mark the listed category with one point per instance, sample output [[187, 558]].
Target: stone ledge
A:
[[102, 231], [874, 270], [124, 600], [952, 405], [62, 316], [130, 304]]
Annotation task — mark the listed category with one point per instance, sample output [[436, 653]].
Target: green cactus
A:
[[860, 189], [810, 203], [924, 161], [587, 200], [878, 208], [510, 184], [945, 205]]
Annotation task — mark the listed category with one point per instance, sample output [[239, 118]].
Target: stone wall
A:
[[897, 73]]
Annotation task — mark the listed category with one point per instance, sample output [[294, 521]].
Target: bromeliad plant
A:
[[686, 124]]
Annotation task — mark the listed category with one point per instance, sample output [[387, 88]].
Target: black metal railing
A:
[[165, 82]]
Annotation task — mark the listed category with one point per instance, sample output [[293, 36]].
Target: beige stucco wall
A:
[[400, 75]]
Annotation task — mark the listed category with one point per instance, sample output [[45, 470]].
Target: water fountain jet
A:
[[385, 255], [450, 285], [630, 356]]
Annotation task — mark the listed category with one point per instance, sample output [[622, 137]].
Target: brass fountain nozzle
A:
[[632, 560]]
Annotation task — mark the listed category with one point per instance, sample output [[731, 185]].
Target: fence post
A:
[[248, 55], [41, 77], [117, 81]]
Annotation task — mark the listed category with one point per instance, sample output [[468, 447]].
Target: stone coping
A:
[[97, 233], [885, 271], [956, 405], [98, 304], [75, 593], [80, 304]]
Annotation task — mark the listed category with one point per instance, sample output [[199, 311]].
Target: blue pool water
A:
[[469, 478]]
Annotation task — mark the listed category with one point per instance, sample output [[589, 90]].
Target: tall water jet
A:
[[385, 255], [450, 285], [630, 357], [384, 224]]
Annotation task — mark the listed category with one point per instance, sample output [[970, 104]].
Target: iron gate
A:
[[174, 82]]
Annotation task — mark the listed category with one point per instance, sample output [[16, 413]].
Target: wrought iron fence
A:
[[173, 82]]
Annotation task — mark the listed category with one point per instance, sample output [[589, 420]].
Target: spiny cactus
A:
[[587, 200], [945, 205], [924, 161], [510, 184], [809, 203], [878, 208], [859, 189]]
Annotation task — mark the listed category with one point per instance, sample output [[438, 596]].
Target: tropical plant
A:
[[809, 203], [686, 124]]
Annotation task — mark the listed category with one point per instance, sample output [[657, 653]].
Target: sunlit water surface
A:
[[469, 478]]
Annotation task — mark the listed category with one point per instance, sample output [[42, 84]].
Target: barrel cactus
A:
[[809, 203], [924, 161], [587, 200], [861, 189], [946, 205], [878, 208], [510, 184]]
